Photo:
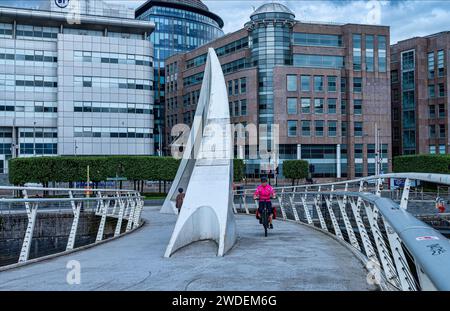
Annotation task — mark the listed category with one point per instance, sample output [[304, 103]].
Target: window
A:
[[236, 87], [382, 54], [369, 53], [305, 83], [432, 149], [306, 128], [408, 60], [243, 85], [343, 85], [358, 129], [441, 111], [441, 90], [440, 64], [356, 52], [431, 65], [394, 76], [312, 39], [431, 93], [357, 85], [292, 128], [331, 102], [291, 83], [432, 111], [318, 83], [306, 105], [230, 87], [319, 128], [432, 131], [292, 105], [441, 149], [318, 61], [408, 80], [442, 130], [359, 151], [357, 106], [243, 107], [343, 106], [344, 126], [318, 105], [236, 108], [332, 128], [332, 83]]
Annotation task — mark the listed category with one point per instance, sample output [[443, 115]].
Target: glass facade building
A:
[[181, 26], [74, 89]]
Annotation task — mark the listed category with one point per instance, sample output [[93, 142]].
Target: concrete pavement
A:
[[292, 257]]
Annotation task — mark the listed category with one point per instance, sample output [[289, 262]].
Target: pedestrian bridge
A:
[[292, 257], [339, 236]]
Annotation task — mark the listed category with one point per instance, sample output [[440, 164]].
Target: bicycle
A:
[[265, 218]]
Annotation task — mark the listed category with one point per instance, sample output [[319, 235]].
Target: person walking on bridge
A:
[[180, 199]]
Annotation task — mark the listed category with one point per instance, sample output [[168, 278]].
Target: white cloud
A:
[[406, 18]]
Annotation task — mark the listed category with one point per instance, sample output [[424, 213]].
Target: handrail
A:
[[127, 205], [381, 230]]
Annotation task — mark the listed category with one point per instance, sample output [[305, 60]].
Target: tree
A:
[[295, 169]]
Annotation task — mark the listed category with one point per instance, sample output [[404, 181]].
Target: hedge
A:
[[427, 163], [238, 170], [74, 169], [295, 169]]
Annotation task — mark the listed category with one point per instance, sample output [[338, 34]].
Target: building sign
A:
[[62, 3]]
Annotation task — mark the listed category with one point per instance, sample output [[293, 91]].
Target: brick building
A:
[[327, 86]]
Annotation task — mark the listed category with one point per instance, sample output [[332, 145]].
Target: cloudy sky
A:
[[407, 18]]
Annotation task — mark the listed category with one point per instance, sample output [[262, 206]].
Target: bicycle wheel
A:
[[265, 220]]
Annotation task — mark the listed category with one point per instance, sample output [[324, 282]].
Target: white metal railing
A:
[[123, 205], [407, 253]]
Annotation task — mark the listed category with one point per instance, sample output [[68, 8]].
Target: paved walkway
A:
[[295, 257]]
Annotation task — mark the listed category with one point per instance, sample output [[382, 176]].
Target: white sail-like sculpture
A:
[[206, 170]]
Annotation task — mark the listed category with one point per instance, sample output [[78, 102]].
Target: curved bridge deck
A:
[[292, 257]]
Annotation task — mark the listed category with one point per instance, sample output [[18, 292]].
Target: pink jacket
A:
[[264, 193]]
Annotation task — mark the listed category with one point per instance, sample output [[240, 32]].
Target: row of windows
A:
[[238, 108], [112, 58], [7, 82], [221, 51], [432, 90], [305, 83], [104, 82], [319, 106], [111, 107], [5, 132], [39, 132], [39, 149], [319, 61], [319, 126], [192, 80], [237, 86], [440, 64], [312, 39], [432, 111], [235, 66], [5, 149], [112, 132], [178, 13], [357, 52], [432, 131], [36, 107], [440, 149], [188, 99], [28, 55]]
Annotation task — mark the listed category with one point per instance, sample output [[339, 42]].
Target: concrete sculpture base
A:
[[206, 170]]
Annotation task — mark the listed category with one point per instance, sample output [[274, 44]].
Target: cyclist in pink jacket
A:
[[264, 193]]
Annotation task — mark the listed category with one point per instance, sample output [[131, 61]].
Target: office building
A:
[[419, 77], [327, 86], [181, 26], [73, 82]]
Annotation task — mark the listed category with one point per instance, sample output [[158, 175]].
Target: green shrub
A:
[[427, 163], [295, 169]]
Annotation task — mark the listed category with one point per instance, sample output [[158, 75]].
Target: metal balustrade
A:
[[123, 205], [402, 252]]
